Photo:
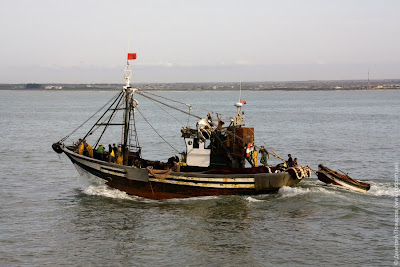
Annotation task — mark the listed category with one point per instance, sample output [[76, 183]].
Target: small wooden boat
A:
[[329, 176]]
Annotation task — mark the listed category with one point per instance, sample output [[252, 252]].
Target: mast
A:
[[128, 91], [368, 81], [238, 120]]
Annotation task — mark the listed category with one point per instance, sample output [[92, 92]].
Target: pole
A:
[[127, 112], [127, 116]]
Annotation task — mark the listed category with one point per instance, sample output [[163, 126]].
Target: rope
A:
[[156, 131], [159, 174], [109, 118], [270, 149], [186, 104], [169, 113], [120, 98], [141, 93], [187, 124], [314, 171], [170, 99], [66, 137]]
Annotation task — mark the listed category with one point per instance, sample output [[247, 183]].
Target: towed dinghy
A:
[[329, 176]]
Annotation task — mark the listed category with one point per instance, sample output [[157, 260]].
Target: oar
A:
[[344, 173]]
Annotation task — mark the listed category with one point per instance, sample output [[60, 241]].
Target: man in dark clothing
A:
[[109, 157], [289, 161], [264, 155], [175, 167], [100, 152], [172, 160]]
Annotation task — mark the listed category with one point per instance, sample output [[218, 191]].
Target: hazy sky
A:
[[76, 41]]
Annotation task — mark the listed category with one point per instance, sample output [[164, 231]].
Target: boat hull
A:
[[141, 182]]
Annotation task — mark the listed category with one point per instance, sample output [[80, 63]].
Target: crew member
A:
[[118, 155], [289, 161], [111, 154], [264, 156], [77, 145], [255, 156], [176, 167], [86, 149], [100, 152]]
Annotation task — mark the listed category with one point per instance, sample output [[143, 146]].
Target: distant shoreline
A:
[[204, 90], [313, 85]]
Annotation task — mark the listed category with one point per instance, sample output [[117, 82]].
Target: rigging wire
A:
[[187, 124], [159, 106], [141, 93], [110, 119], [66, 137], [90, 131], [170, 99], [188, 105], [133, 131], [156, 130], [270, 149]]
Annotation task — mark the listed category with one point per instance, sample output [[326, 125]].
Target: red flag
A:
[[243, 102], [131, 56]]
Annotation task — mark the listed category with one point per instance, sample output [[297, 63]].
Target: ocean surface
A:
[[52, 216]]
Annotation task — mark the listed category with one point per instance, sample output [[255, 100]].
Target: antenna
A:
[[238, 120], [129, 45], [127, 74], [240, 90], [128, 70]]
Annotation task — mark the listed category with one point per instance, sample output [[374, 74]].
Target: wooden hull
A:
[[329, 176], [140, 182]]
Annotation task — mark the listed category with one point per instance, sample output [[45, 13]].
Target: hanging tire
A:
[[57, 148]]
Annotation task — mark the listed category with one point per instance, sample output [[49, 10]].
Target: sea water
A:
[[52, 216]]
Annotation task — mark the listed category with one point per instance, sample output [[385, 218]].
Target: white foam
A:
[[250, 199], [377, 189], [287, 191], [105, 191], [293, 191], [383, 189], [192, 198]]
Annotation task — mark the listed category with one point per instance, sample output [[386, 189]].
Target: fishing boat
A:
[[329, 176], [212, 162]]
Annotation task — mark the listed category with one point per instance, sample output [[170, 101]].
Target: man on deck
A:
[[289, 161], [100, 152], [264, 155]]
